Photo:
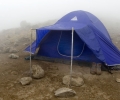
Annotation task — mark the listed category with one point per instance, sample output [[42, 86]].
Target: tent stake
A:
[[71, 56]]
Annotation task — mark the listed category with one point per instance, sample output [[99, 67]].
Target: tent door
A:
[[64, 44]]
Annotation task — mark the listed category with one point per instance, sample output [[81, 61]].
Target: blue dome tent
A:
[[91, 41]]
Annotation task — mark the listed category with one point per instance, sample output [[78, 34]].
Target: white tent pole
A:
[[71, 55], [30, 51]]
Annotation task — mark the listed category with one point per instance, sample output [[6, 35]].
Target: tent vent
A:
[[74, 19]]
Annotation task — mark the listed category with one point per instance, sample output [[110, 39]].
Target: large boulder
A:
[[13, 56], [37, 71], [25, 80], [75, 80], [64, 92]]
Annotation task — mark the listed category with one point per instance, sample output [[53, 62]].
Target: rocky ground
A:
[[96, 87]]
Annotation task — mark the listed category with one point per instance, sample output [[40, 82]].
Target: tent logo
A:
[[74, 19]]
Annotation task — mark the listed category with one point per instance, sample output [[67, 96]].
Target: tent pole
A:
[[30, 52], [71, 56]]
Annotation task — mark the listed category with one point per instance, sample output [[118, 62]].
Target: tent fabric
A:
[[87, 35], [50, 46], [33, 48], [92, 42], [39, 36], [110, 51]]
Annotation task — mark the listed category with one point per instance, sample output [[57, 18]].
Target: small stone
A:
[[48, 96], [65, 92], [25, 44], [14, 73], [37, 71], [10, 84], [75, 80], [25, 80], [106, 97], [51, 89], [13, 56], [118, 80]]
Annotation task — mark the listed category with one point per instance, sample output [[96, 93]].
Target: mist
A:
[[13, 12]]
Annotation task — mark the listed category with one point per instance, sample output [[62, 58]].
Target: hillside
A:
[[96, 87]]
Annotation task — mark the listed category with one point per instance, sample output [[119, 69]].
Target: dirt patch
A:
[[102, 87]]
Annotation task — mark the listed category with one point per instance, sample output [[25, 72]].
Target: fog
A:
[[12, 12]]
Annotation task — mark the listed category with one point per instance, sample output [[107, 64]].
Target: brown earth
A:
[[96, 87]]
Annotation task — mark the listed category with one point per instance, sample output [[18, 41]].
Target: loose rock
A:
[[14, 73], [25, 80], [37, 71], [118, 80], [25, 44], [13, 56], [65, 92], [75, 80]]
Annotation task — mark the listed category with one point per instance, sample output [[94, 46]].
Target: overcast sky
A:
[[12, 12]]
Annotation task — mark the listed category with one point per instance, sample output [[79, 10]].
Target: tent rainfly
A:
[[91, 41]]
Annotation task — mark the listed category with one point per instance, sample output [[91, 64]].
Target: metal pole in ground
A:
[[71, 55], [30, 52]]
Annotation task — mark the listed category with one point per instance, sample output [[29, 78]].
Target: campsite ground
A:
[[96, 87]]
